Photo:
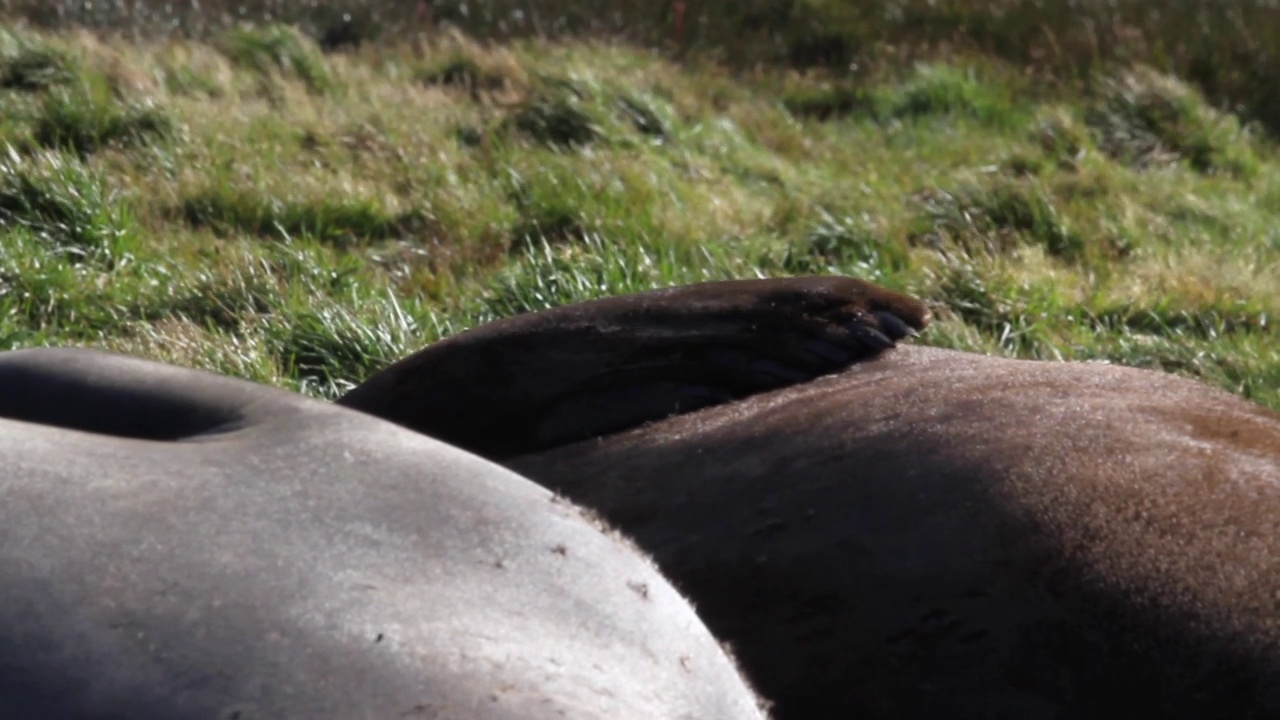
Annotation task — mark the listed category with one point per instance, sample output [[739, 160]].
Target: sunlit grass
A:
[[254, 206]]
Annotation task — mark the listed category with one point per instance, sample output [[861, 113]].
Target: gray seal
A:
[[176, 545]]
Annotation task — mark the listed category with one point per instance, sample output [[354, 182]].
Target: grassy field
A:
[[247, 203]]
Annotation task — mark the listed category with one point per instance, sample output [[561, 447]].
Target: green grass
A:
[[24, 67], [58, 201], [249, 204], [275, 49]]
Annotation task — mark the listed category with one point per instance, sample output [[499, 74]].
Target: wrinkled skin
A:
[[930, 531], [545, 379], [180, 546]]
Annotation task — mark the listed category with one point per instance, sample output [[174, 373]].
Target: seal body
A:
[[545, 379], [935, 532], [176, 545]]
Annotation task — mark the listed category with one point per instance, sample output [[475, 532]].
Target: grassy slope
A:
[[251, 206]]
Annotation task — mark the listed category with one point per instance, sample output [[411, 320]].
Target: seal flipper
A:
[[535, 381]]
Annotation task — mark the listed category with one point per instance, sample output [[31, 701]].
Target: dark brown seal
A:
[[176, 545], [937, 531], [932, 532], [544, 379]]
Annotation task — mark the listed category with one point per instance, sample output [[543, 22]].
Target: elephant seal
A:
[[176, 545], [941, 531], [544, 379], [934, 532]]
